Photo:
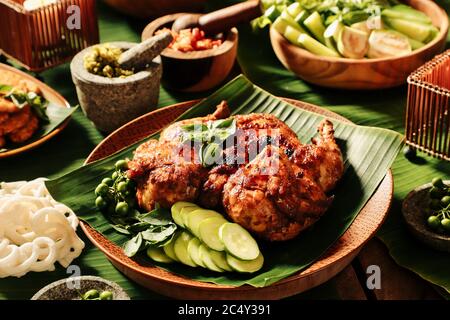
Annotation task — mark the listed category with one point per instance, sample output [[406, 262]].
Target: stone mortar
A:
[[111, 102]]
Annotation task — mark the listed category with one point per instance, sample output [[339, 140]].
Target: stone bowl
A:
[[414, 212], [194, 71], [111, 102], [62, 289]]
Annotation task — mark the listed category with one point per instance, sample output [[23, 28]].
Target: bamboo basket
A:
[[428, 107], [39, 39]]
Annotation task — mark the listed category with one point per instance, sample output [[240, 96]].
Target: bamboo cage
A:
[[428, 107], [41, 38]]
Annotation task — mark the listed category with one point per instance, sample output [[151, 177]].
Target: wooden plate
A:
[[332, 262], [50, 95], [360, 74]]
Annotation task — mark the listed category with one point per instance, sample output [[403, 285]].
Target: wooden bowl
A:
[[343, 73], [50, 95], [336, 258], [198, 70], [414, 210], [155, 8]]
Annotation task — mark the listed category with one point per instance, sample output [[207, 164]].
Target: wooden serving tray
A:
[[335, 259]]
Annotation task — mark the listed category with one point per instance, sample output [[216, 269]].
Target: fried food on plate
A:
[[266, 180]]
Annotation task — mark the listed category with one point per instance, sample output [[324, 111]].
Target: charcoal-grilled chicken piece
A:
[[164, 176]]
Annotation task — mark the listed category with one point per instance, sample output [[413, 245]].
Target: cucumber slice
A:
[[333, 30], [301, 17], [315, 26], [158, 255], [407, 13], [207, 260], [194, 253], [209, 233], [292, 35], [290, 21], [353, 43], [196, 217], [272, 13], [415, 44], [245, 266], [184, 213], [413, 30], [220, 259], [169, 250], [314, 46], [180, 249], [294, 9], [176, 210], [238, 241]]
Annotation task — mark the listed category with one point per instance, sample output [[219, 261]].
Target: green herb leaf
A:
[[133, 246], [158, 234], [210, 153], [226, 123], [121, 229], [157, 217]]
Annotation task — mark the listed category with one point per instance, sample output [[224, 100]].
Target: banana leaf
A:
[[56, 116], [368, 152]]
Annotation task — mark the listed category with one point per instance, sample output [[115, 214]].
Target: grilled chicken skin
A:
[[267, 180]]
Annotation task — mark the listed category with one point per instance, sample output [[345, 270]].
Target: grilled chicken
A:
[[267, 180]]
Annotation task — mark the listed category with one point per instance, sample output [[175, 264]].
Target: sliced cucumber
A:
[[196, 217], [315, 25], [353, 43], [415, 44], [209, 233], [333, 30], [158, 255], [238, 241], [414, 30], [194, 253], [185, 213], [407, 13], [180, 249], [272, 13], [245, 266], [290, 21], [169, 250], [220, 259], [314, 46], [176, 210], [294, 9], [301, 17], [207, 260], [292, 35]]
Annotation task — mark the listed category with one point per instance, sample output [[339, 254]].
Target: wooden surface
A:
[[50, 95], [355, 74], [194, 71], [397, 283], [334, 260]]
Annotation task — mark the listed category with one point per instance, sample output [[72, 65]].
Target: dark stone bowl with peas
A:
[[426, 211], [82, 288]]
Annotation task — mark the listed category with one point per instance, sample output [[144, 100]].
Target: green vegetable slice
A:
[[180, 249], [207, 260], [248, 266], [315, 26], [209, 233], [185, 212], [193, 249], [169, 249], [314, 46], [196, 217], [238, 241], [176, 211], [158, 255], [220, 259]]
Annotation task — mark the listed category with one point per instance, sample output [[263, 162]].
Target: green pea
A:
[[122, 208], [115, 175], [445, 201], [101, 189], [437, 182], [121, 165], [122, 187], [433, 222], [108, 181], [91, 295], [106, 295], [101, 203], [445, 223]]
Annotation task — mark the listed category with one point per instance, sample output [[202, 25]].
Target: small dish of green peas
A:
[[426, 211]]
